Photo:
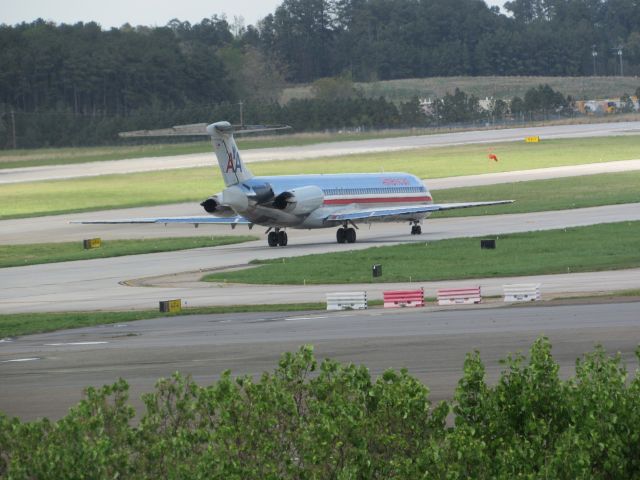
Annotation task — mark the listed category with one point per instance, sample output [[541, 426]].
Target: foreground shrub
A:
[[306, 420]]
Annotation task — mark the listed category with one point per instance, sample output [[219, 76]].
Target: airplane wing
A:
[[186, 220], [371, 213]]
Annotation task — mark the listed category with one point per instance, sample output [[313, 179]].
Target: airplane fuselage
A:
[[336, 193], [308, 201]]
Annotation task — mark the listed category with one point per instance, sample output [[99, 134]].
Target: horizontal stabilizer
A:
[[186, 220], [197, 129]]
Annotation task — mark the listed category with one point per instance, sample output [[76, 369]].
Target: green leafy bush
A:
[[313, 421]]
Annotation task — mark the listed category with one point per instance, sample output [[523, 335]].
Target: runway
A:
[[329, 149], [43, 375], [97, 284]]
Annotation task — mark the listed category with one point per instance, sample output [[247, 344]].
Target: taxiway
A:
[[99, 284]]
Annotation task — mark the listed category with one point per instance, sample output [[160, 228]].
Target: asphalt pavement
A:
[[43, 375]]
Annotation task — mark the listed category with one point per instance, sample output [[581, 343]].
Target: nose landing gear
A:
[[416, 229], [277, 237]]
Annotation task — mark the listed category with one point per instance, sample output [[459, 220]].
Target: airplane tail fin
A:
[[233, 170], [232, 167]]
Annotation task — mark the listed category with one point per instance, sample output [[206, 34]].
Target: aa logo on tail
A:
[[234, 164]]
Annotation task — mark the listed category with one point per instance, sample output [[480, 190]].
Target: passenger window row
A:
[[369, 191]]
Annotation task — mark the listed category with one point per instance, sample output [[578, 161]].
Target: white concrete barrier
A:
[[347, 301], [521, 292]]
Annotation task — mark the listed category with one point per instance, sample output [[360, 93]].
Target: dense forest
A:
[[71, 77]]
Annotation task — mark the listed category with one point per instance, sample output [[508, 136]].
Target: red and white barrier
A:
[[403, 298], [459, 296]]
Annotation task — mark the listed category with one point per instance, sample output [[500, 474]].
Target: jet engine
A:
[[262, 193], [300, 200], [213, 205]]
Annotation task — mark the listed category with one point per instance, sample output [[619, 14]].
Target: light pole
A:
[[620, 57], [594, 55], [13, 129], [618, 51]]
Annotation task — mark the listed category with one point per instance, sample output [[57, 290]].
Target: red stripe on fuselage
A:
[[347, 201]]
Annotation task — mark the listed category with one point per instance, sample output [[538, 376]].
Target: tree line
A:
[[388, 39], [114, 78], [330, 420], [326, 111]]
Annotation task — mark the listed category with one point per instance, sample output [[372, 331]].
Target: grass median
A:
[[545, 195], [582, 249], [195, 184], [37, 253], [13, 325]]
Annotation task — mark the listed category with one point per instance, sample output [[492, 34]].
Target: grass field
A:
[[593, 248], [60, 156], [184, 185], [33, 254], [498, 87], [545, 195]]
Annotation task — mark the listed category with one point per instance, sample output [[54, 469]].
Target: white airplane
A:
[[307, 201]]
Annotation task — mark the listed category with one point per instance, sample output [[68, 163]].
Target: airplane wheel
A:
[[282, 238], [351, 235], [341, 235], [418, 230], [272, 239], [413, 229]]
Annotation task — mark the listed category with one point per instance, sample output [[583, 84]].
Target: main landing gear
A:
[[416, 229], [277, 237], [346, 235]]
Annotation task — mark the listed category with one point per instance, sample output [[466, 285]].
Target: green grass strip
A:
[[196, 184], [545, 195], [633, 293], [472, 159], [12, 325], [582, 249], [61, 156], [16, 324], [37, 253]]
